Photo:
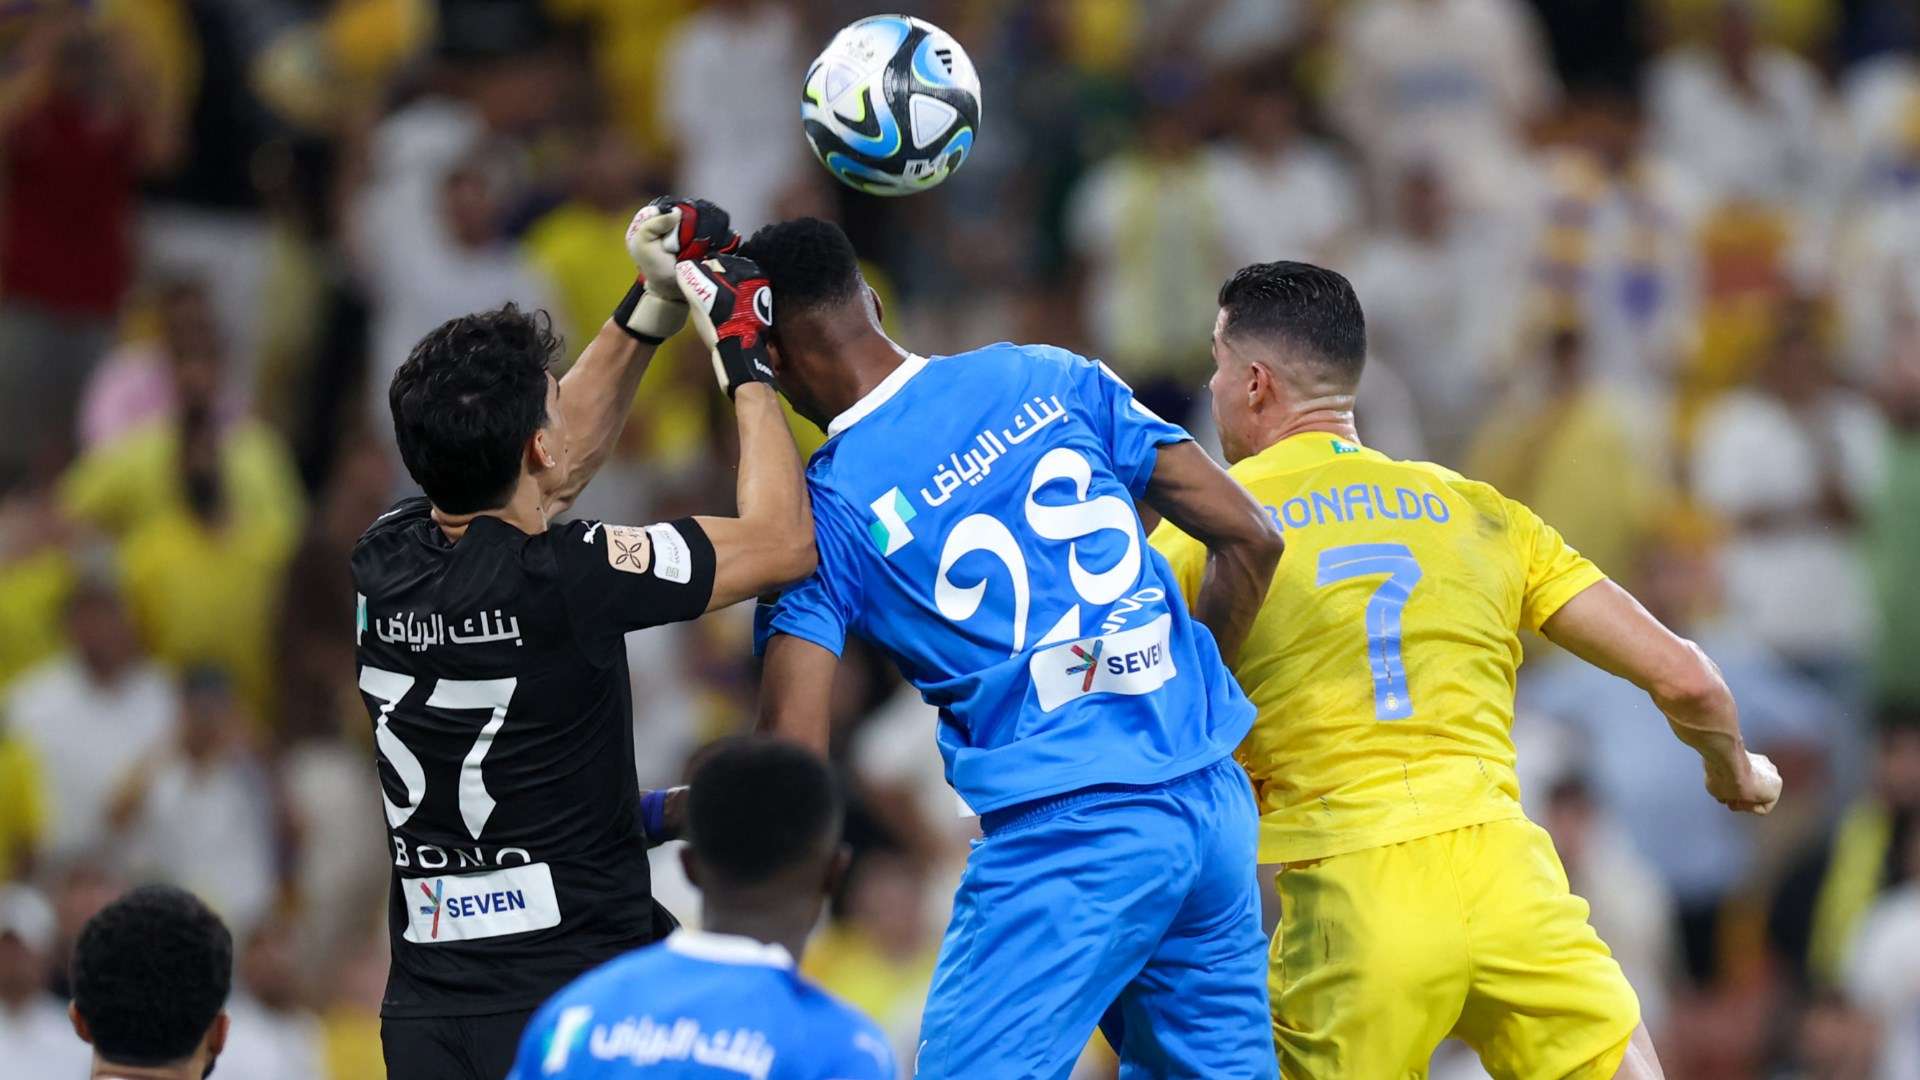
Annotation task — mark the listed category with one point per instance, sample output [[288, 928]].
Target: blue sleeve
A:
[[1132, 432], [821, 608]]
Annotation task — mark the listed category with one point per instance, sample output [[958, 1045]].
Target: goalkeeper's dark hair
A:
[[1309, 309], [757, 807], [466, 401], [810, 264], [150, 973]]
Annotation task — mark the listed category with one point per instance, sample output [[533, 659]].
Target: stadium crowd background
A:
[[1652, 267]]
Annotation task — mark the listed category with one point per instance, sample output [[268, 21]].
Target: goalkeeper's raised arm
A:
[[597, 393]]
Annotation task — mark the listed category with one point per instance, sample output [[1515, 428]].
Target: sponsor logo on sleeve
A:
[[466, 907], [628, 548], [672, 558]]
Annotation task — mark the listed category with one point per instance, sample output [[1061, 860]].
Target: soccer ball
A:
[[891, 106]]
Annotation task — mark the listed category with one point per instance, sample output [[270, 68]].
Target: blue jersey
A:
[[700, 1007], [975, 518]]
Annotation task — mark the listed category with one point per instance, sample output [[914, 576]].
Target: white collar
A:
[[729, 949], [879, 395]]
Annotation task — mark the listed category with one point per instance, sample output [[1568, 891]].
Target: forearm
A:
[[1605, 626], [770, 491], [1698, 706], [795, 692], [1243, 546], [1235, 586], [596, 395]]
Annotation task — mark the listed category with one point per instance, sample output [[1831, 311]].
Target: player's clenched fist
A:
[[732, 311], [665, 231], [1753, 789]]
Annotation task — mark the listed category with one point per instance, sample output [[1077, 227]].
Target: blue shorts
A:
[[1133, 908]]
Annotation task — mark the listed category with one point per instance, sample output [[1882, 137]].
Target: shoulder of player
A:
[[1006, 355], [615, 979], [398, 516], [1483, 496], [830, 1013], [403, 515]]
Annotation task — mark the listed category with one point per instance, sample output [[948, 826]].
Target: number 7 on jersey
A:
[[1391, 700]]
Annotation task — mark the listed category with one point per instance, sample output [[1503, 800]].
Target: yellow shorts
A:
[[1383, 953]]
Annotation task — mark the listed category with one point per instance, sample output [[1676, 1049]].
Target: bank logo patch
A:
[[889, 530]]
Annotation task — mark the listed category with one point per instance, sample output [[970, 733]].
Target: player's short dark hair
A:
[[810, 264], [757, 806], [466, 401], [150, 973], [1309, 308]]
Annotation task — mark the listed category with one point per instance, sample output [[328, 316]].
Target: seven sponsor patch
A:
[[465, 907], [1136, 661]]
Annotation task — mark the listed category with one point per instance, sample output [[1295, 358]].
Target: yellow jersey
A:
[[1383, 658]]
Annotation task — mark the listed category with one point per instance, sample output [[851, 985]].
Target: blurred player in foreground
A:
[[490, 644], [975, 519], [151, 973], [1418, 902], [765, 851]]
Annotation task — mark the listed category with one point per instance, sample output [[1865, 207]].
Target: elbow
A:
[[1264, 544], [1692, 686], [797, 556]]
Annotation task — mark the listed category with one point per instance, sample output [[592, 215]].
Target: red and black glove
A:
[[667, 230], [732, 311]]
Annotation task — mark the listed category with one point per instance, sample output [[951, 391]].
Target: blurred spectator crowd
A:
[[1651, 266]]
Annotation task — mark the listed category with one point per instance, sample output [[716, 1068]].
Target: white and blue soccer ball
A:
[[891, 105]]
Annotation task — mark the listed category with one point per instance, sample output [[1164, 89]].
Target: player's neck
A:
[[1332, 415], [190, 1070], [866, 364], [786, 929], [526, 511]]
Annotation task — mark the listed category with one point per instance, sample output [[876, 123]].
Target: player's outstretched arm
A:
[[770, 543], [1605, 626], [796, 687], [1243, 546], [597, 393]]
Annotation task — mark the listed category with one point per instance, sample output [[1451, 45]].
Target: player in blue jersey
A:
[[764, 832], [975, 519]]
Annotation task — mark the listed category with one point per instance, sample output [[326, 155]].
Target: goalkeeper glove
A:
[[664, 231], [732, 311]]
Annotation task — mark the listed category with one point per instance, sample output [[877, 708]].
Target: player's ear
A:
[[837, 868], [79, 1023], [539, 454], [879, 308], [1261, 388], [216, 1040], [690, 865]]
